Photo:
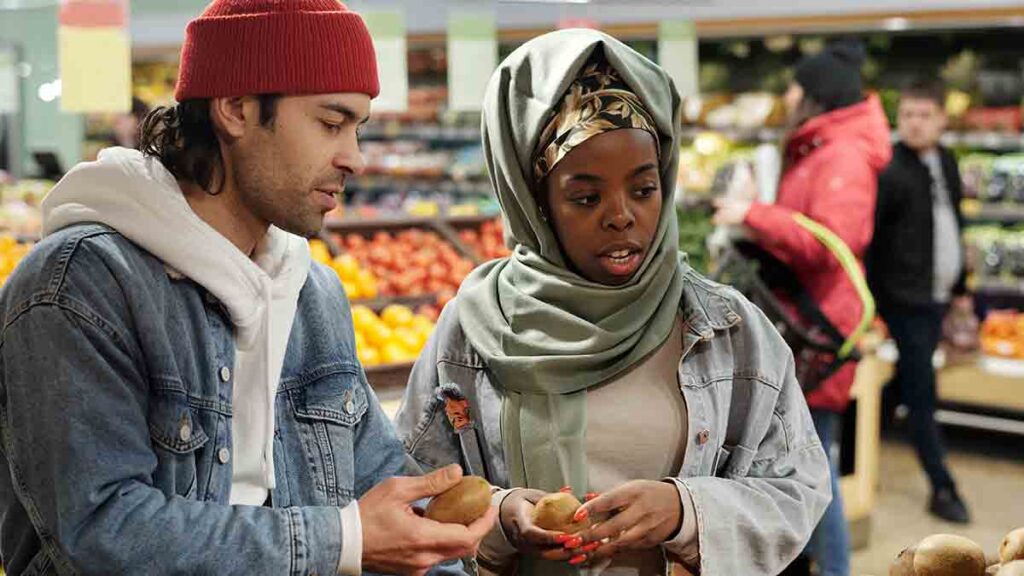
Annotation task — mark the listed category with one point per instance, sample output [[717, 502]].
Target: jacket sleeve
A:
[[843, 201], [429, 438], [757, 515], [77, 442]]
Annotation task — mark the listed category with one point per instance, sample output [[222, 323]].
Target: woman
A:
[[596, 359], [838, 144]]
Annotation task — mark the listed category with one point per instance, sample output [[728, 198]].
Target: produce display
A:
[[488, 243], [952, 555], [358, 282], [995, 254], [11, 253], [395, 336], [993, 179], [413, 262], [1002, 335], [463, 503], [19, 210]]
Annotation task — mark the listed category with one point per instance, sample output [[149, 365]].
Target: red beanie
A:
[[246, 47]]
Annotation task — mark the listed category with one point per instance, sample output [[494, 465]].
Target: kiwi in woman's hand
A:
[[949, 555], [463, 503], [555, 512], [1012, 547]]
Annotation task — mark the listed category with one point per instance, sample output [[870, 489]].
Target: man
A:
[[180, 391], [915, 266]]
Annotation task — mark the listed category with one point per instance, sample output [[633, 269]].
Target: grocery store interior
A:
[[424, 215]]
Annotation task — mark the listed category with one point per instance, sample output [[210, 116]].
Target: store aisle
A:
[[990, 471]]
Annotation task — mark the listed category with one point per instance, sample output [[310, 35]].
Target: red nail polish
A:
[[576, 542], [590, 496], [578, 559], [590, 547], [581, 515], [563, 538]]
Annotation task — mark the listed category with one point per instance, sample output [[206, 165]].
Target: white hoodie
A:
[[139, 198]]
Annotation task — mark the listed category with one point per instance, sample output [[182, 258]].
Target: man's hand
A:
[[730, 212], [396, 540], [644, 514]]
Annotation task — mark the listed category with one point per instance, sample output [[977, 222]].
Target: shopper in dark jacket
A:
[[838, 144], [915, 266]]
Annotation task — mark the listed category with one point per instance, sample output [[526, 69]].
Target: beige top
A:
[[636, 430]]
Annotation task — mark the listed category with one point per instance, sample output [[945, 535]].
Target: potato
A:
[[949, 555], [554, 512], [1012, 547], [1015, 568], [463, 503], [904, 563]]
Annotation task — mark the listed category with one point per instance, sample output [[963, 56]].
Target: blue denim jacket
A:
[[754, 466], [116, 423]]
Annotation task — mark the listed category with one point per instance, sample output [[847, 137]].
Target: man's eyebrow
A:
[[345, 111]]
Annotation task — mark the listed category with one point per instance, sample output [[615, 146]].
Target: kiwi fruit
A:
[[1012, 547], [554, 512], [949, 555], [1015, 568], [463, 503], [904, 563]]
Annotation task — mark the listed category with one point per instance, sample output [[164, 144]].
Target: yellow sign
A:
[[95, 69]]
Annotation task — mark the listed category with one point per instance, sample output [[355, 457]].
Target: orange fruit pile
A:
[[11, 253], [1002, 334], [359, 283], [396, 336]]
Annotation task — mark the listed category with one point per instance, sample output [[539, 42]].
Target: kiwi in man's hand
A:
[[904, 563], [1012, 547], [463, 503]]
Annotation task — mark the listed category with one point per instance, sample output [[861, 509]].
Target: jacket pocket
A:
[[176, 435], [327, 411], [733, 461]]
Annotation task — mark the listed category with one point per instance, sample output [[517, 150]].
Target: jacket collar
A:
[[705, 310]]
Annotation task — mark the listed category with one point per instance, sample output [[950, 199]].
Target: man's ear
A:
[[229, 116]]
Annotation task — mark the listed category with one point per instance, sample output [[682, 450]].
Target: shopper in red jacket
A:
[[838, 144]]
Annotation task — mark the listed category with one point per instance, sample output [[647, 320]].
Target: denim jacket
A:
[[115, 415], [754, 466]]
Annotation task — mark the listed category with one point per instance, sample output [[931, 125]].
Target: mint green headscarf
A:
[[546, 333]]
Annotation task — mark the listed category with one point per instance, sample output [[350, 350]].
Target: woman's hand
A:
[[524, 535], [643, 514]]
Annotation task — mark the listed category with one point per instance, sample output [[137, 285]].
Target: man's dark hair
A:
[[183, 139], [926, 89]]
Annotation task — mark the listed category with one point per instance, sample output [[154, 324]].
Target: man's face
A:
[[792, 99], [921, 122], [291, 172]]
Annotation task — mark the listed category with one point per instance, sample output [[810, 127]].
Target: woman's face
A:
[[604, 203]]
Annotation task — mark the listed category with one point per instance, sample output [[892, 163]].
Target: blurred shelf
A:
[[996, 213], [740, 135], [378, 304], [998, 288], [995, 141], [388, 379], [448, 137], [1003, 367], [362, 225], [984, 140]]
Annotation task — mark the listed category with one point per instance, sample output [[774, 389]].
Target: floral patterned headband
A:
[[598, 101]]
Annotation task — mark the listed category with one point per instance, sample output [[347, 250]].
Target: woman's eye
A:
[[586, 199], [647, 191]]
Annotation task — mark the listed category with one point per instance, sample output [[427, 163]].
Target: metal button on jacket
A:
[[225, 373], [223, 455]]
